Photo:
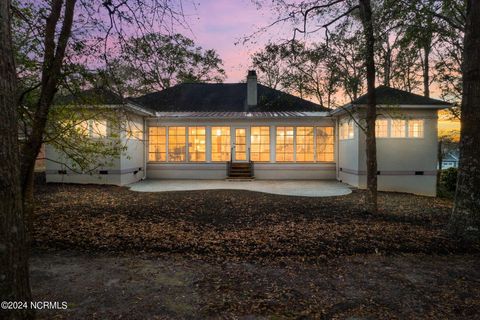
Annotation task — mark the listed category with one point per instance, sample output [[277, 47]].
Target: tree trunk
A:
[[51, 71], [439, 159], [465, 218], [426, 70], [387, 65], [14, 274], [371, 147]]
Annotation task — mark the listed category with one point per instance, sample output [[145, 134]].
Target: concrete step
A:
[[237, 179], [233, 175]]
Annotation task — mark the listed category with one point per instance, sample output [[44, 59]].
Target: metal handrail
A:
[[229, 163], [250, 163]]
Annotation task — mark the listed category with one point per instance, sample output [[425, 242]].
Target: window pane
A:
[[221, 144], [325, 144], [260, 144], [82, 128], [176, 144], [398, 128], [240, 144], [284, 147], [351, 133], [196, 144], [304, 144], [381, 128], [98, 128], [415, 128], [134, 130], [346, 130], [157, 147]]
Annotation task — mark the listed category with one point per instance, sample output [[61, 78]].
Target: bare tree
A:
[[330, 12], [269, 61], [161, 61], [52, 26], [54, 53]]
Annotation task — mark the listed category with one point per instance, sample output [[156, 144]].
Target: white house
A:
[[246, 130], [450, 160]]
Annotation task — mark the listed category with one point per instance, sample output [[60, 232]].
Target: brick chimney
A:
[[251, 88]]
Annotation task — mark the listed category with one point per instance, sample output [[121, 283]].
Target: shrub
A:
[[448, 179]]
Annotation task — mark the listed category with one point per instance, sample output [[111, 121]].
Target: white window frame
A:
[[344, 134], [405, 135], [423, 128], [388, 128], [316, 144]]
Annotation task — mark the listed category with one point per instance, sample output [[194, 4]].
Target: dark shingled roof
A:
[[390, 96], [94, 96], [222, 97]]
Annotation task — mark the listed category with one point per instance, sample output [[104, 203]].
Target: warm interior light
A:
[[219, 132]]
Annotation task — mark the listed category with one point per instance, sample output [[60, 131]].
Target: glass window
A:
[[381, 128], [260, 144], [134, 130], [82, 127], [90, 128], [196, 144], [415, 128], [240, 144], [98, 128], [176, 144], [284, 147], [157, 144], [398, 128], [350, 133], [325, 144], [221, 144], [304, 144], [346, 130]]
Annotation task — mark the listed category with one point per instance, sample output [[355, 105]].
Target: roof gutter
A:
[[240, 115], [139, 109], [349, 107]]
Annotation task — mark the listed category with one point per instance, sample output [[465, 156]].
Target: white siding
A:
[[124, 169], [400, 160]]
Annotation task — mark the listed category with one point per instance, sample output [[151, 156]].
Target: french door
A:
[[240, 144]]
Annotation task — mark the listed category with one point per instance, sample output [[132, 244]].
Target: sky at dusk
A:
[[219, 24], [222, 25]]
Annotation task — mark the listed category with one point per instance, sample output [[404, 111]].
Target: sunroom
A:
[[278, 145]]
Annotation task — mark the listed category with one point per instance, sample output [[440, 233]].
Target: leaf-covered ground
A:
[[132, 286], [117, 253], [238, 225]]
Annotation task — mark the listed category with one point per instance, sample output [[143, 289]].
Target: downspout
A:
[[145, 148]]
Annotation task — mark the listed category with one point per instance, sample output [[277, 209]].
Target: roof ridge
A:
[[208, 83], [408, 97]]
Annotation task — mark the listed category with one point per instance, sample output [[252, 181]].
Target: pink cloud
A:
[[219, 24]]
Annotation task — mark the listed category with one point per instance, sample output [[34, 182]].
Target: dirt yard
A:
[[113, 253]]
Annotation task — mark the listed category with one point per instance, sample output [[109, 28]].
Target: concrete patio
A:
[[304, 188]]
